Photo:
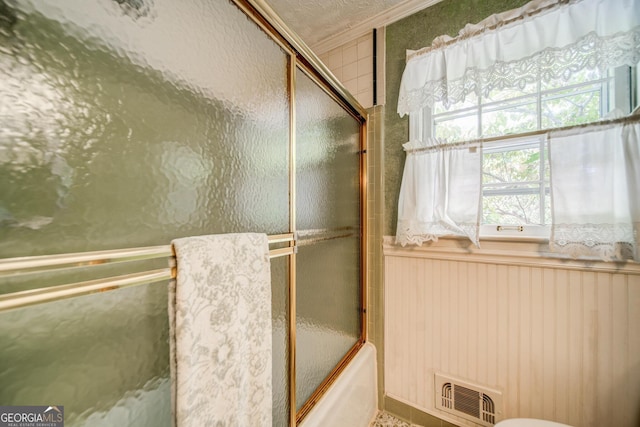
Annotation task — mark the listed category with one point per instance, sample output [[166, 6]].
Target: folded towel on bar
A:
[[220, 331]]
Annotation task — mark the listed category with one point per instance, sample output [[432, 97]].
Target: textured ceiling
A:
[[315, 20]]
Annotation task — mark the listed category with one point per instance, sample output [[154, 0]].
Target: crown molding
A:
[[391, 15]]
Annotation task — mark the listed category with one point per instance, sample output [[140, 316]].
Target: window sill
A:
[[527, 251]]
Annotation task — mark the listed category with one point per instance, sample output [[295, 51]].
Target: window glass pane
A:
[[457, 127], [581, 76], [511, 208], [570, 107], [512, 183], [515, 118], [498, 94], [511, 166]]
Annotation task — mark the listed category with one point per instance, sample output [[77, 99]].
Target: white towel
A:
[[220, 321]]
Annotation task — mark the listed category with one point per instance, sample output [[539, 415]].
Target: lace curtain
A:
[[440, 193], [504, 52], [543, 41], [595, 191]]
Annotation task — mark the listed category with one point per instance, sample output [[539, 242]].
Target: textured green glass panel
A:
[[130, 124], [125, 124], [280, 316], [327, 160], [103, 357], [328, 211], [328, 317]]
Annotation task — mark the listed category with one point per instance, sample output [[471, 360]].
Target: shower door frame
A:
[[310, 72], [301, 57]]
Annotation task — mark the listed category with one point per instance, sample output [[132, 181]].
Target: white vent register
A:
[[470, 401]]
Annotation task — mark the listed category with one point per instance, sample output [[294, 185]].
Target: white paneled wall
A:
[[560, 339], [352, 64]]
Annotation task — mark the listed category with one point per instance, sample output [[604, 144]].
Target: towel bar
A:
[[12, 266], [23, 265]]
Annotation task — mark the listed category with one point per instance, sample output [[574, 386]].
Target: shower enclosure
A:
[[127, 123]]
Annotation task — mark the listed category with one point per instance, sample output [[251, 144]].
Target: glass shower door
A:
[[328, 288], [127, 123]]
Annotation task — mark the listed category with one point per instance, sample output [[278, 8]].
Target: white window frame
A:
[[527, 230]]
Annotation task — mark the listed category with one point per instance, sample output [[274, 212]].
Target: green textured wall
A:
[[414, 32]]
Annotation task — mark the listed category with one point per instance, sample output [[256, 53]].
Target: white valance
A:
[[548, 42]]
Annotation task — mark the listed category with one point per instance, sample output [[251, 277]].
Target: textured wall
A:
[[415, 32]]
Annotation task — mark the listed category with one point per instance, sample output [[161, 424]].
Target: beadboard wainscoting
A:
[[558, 338]]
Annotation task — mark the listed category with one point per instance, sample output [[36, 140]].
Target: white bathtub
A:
[[352, 400]]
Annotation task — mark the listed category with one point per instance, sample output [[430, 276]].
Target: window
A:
[[515, 171], [507, 116]]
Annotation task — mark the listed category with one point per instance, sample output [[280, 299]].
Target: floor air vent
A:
[[473, 402]]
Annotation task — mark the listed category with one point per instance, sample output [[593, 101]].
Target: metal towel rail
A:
[[14, 266]]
